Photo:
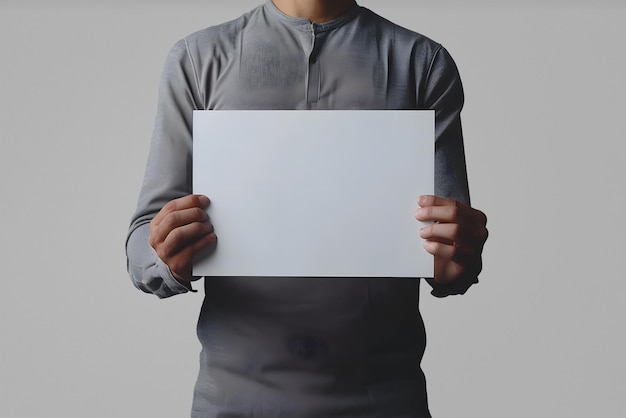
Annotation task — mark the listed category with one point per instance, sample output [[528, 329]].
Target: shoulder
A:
[[400, 35], [220, 38], [203, 49], [423, 53]]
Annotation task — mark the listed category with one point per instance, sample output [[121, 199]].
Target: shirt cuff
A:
[[458, 287], [175, 286]]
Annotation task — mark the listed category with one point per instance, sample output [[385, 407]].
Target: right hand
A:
[[180, 230]]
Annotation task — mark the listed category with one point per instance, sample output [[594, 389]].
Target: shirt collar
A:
[[302, 23]]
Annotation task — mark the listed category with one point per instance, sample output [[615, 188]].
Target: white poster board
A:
[[314, 193]]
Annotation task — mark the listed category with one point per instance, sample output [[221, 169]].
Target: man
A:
[[318, 347]]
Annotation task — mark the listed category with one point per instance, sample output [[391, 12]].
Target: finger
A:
[[453, 211], [451, 232], [185, 202], [205, 241], [182, 237], [180, 264], [431, 200], [176, 219], [449, 213], [455, 252], [440, 249], [181, 218], [445, 233]]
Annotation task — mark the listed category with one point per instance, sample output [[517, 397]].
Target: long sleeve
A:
[[444, 93], [168, 172]]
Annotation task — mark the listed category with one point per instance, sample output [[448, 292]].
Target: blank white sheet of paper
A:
[[328, 193]]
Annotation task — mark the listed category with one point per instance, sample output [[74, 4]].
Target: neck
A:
[[315, 10]]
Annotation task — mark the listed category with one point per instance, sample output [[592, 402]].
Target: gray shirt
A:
[[308, 346]]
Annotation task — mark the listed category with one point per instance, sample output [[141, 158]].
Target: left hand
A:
[[456, 238]]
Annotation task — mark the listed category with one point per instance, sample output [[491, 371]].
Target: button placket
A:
[[313, 79]]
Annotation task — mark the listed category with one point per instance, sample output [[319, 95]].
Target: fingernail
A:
[[203, 200]]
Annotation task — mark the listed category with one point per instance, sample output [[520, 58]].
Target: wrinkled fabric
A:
[[306, 347]]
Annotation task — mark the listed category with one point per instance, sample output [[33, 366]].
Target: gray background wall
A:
[[541, 336]]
